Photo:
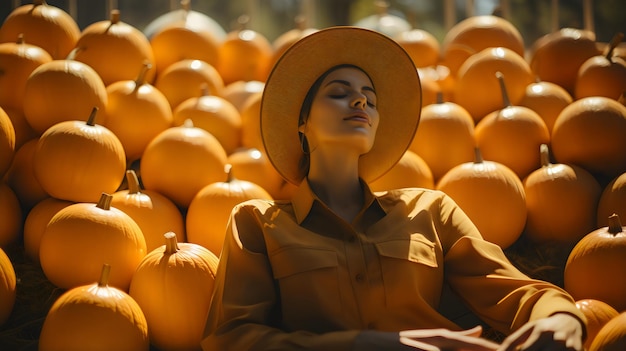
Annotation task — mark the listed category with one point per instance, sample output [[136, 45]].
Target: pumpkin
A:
[[598, 313], [411, 171], [445, 137], [251, 122], [602, 75], [136, 112], [21, 177], [77, 161], [183, 39], [154, 213], [547, 99], [81, 236], [209, 211], [238, 92], [480, 95], [590, 133], [556, 57], [95, 316], [590, 268], [612, 337], [8, 282], [182, 160], [421, 45], [561, 200], [429, 85], [477, 33], [36, 222], [17, 61], [191, 19], [512, 135], [11, 228], [286, 39], [254, 166], [72, 82], [7, 142], [43, 25], [214, 114], [23, 131], [186, 79], [501, 213], [173, 286], [245, 54], [612, 200]]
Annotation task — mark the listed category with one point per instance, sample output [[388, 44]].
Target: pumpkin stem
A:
[[617, 38], [505, 95], [545, 155], [91, 121], [171, 244], [39, 2], [104, 275], [228, 168], [141, 78], [115, 16], [133, 182], [20, 38], [188, 123], [478, 156], [105, 201], [439, 97], [615, 225]]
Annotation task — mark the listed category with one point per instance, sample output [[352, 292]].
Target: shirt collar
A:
[[303, 198]]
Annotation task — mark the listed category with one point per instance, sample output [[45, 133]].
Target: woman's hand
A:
[[560, 331], [444, 339]]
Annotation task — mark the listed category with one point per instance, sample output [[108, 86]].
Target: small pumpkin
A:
[[238, 92], [251, 122], [12, 216], [95, 316], [598, 313], [8, 282], [602, 75], [36, 222], [21, 177], [612, 200], [7, 142], [81, 236], [173, 286], [411, 171], [421, 45], [612, 337], [547, 99]]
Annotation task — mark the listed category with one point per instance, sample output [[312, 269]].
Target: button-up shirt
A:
[[295, 276]]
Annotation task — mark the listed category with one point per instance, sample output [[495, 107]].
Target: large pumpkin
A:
[[598, 313], [21, 176], [77, 161], [36, 222], [612, 337], [173, 286], [12, 213], [209, 211], [602, 75], [83, 236], [492, 195], [43, 25], [8, 282], [7, 142], [561, 201], [411, 171], [421, 45], [254, 166], [185, 79], [593, 268], [238, 92], [95, 316], [547, 99], [612, 200]]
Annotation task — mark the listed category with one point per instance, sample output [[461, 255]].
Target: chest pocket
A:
[[418, 250]]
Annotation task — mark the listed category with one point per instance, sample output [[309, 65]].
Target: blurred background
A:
[[271, 18]]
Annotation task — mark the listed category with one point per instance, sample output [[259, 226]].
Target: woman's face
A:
[[343, 112]]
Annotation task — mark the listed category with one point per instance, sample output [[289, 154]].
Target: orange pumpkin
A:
[[185, 79], [182, 160], [598, 313], [209, 211], [254, 166], [501, 213], [512, 135], [612, 337], [81, 236], [590, 133], [547, 99], [95, 316], [21, 177], [23, 131], [590, 268], [561, 201], [36, 222], [251, 122], [7, 142], [173, 286], [411, 171], [478, 93], [421, 45], [43, 25], [445, 137], [115, 49], [191, 19], [602, 75], [77, 161], [612, 200], [214, 114], [17, 61], [73, 82], [154, 213], [286, 39], [238, 92], [136, 112], [11, 227], [8, 282]]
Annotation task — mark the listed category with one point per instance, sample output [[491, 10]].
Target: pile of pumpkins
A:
[[122, 153]]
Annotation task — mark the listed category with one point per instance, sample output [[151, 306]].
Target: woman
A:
[[341, 268]]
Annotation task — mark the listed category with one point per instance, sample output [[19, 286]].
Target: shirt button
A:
[[359, 277]]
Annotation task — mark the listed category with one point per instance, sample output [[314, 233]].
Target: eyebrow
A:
[[346, 83]]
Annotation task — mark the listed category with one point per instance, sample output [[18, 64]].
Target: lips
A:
[[359, 116]]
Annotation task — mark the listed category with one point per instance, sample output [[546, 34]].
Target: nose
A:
[[360, 101]]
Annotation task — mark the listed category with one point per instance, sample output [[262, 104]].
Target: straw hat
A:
[[392, 72]]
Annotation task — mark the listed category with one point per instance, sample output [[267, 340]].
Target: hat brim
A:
[[393, 74]]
